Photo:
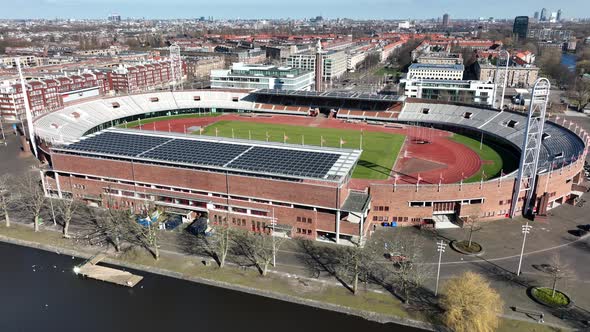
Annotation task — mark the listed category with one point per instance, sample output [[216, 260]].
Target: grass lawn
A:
[[493, 162], [544, 294], [169, 117], [387, 71], [380, 150]]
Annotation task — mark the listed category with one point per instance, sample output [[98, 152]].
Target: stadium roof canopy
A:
[[330, 94], [234, 155]]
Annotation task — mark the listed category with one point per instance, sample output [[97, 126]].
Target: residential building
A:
[[50, 94], [252, 76], [441, 58], [520, 27], [201, 66], [471, 92], [145, 77], [435, 71], [518, 76], [550, 34], [25, 60], [335, 63]]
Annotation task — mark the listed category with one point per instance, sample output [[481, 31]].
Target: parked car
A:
[[395, 257], [173, 222], [199, 227]]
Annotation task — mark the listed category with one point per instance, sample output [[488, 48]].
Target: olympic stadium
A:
[[326, 165]]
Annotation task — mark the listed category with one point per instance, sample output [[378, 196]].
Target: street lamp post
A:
[[51, 203], [440, 247], [525, 230]]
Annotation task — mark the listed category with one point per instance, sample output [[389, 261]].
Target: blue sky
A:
[[391, 9]]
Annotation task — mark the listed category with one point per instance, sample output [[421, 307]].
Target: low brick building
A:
[[240, 182]]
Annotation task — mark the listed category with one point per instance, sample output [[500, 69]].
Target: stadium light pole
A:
[[525, 230], [440, 247]]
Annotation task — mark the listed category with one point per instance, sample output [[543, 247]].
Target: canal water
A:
[[569, 60], [39, 292]]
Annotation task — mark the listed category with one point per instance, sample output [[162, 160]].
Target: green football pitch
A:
[[380, 150]]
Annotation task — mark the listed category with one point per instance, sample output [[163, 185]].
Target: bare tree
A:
[[558, 270], [220, 242], [147, 235], [259, 249], [5, 196], [580, 93], [473, 226], [113, 223], [31, 197], [66, 208], [408, 271], [353, 263]]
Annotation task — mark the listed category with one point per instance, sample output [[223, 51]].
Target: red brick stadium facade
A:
[[306, 208]]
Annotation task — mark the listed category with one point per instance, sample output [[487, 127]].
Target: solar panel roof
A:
[[288, 162], [120, 144], [196, 152], [231, 154]]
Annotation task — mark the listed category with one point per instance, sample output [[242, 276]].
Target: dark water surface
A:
[[569, 60], [39, 292]]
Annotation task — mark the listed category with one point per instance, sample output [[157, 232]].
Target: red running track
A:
[[440, 158]]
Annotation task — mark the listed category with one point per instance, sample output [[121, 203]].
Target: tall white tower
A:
[[531, 147], [319, 67], [176, 66]]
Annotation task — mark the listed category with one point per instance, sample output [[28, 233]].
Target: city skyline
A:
[[233, 9]]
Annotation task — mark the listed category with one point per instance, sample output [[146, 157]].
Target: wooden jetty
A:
[[90, 269]]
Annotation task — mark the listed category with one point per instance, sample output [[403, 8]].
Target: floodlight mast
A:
[[531, 148]]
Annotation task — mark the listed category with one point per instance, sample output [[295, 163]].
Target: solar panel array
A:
[[196, 152], [245, 157], [287, 162], [120, 144]]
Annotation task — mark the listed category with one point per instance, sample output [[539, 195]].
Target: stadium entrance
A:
[[445, 214]]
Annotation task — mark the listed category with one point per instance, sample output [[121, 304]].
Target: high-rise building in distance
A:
[[559, 13], [446, 20], [543, 16], [521, 27], [536, 16]]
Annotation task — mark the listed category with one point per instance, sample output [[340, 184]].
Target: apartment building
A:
[[249, 76], [435, 71]]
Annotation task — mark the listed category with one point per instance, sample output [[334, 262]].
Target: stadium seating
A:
[[71, 122], [561, 144]]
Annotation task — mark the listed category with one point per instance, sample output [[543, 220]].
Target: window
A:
[[154, 99], [467, 115], [545, 136], [235, 99], [197, 98], [425, 110], [116, 105]]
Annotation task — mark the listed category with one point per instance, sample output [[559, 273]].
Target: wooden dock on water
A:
[[90, 269]]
